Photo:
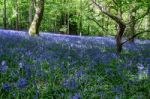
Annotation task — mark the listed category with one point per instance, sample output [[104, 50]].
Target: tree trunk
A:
[[132, 26], [17, 16], [34, 28], [4, 17], [121, 29], [148, 25], [80, 24], [118, 19], [68, 22], [31, 8]]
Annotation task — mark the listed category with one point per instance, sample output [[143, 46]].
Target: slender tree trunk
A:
[[148, 25], [80, 24], [121, 29], [17, 16], [39, 9], [31, 8], [88, 28], [132, 25], [118, 19], [68, 22], [4, 15]]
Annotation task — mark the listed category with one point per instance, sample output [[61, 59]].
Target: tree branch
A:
[[135, 36], [103, 9], [98, 24], [142, 16]]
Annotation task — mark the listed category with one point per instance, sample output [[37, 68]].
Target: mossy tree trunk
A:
[[39, 9]]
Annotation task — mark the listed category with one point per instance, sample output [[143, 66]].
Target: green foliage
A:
[[73, 16]]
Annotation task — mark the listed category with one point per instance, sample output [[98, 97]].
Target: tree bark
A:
[[4, 15], [80, 24], [17, 16], [132, 25], [39, 9], [31, 8], [121, 29], [120, 23]]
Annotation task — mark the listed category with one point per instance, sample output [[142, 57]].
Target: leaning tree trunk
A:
[[118, 20], [121, 29], [34, 28]]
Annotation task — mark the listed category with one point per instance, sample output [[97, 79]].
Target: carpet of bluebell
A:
[[54, 66]]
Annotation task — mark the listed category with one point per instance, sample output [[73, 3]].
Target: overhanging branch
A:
[[135, 36]]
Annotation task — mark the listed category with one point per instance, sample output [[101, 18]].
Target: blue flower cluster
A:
[[63, 66]]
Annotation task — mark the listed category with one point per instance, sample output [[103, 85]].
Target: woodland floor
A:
[[72, 67]]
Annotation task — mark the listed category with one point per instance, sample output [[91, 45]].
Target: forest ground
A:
[[64, 66]]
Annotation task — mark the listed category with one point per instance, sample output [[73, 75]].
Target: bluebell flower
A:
[[3, 63], [148, 71], [80, 72], [116, 97], [21, 83], [118, 89], [140, 66], [69, 83], [20, 65], [6, 86], [76, 96], [14, 94], [27, 71], [65, 83], [72, 83], [37, 94], [3, 68]]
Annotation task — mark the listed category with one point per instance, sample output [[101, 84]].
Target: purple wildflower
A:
[[65, 83], [21, 83], [37, 94], [72, 83], [3, 67], [14, 94], [79, 73], [76, 96], [69, 83], [20, 65], [3, 63], [6, 86], [140, 66]]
